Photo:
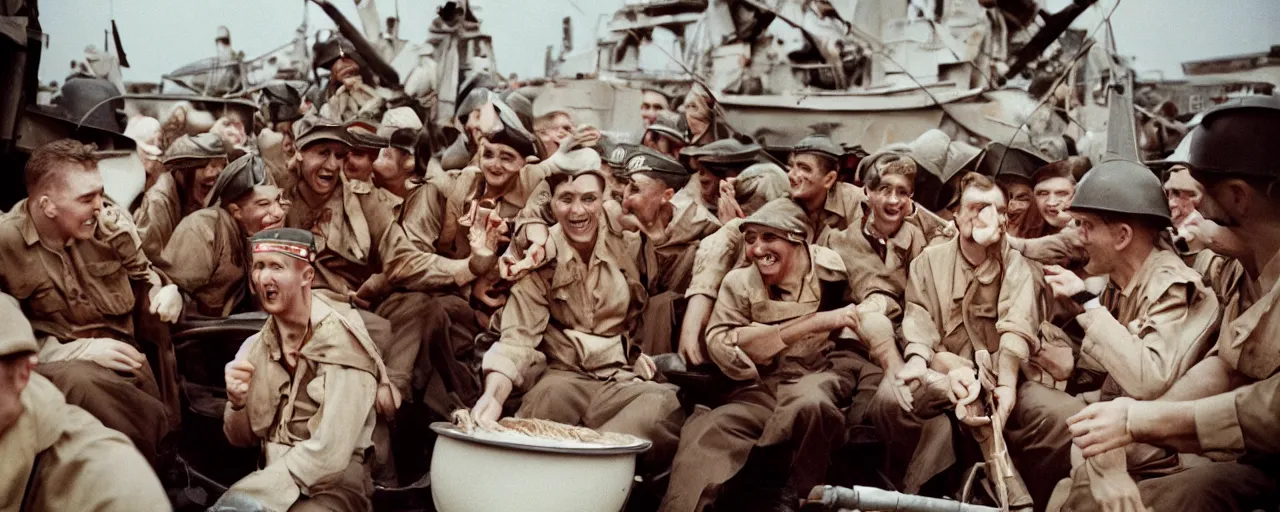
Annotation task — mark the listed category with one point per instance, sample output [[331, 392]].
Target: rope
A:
[[543, 429]]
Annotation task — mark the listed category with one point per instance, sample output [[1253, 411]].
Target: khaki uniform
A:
[[1224, 275], [1146, 337], [953, 307], [790, 393], [76, 463], [566, 340], [80, 292], [314, 422], [208, 258], [350, 231], [668, 266], [163, 206], [427, 251], [1061, 248]]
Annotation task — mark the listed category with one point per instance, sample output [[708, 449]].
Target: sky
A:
[[161, 35]]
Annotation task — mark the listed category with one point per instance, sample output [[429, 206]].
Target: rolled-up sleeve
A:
[[524, 324], [730, 323], [714, 259], [408, 248]]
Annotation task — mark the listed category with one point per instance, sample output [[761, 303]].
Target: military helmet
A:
[[782, 214], [1122, 186], [1241, 136]]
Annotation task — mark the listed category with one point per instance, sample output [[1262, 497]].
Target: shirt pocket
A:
[[108, 287], [46, 301]]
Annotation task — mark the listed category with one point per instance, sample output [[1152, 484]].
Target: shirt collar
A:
[[29, 234], [1270, 273], [1142, 275]]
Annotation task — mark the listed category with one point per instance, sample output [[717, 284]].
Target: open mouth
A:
[[270, 293], [91, 222], [579, 225], [766, 260], [326, 178]]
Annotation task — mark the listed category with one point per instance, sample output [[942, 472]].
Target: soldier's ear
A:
[[46, 206], [829, 179], [234, 210], [308, 275], [1124, 236]]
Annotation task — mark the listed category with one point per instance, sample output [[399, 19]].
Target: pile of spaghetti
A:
[[543, 429]]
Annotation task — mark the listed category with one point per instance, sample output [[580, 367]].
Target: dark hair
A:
[[49, 161], [904, 167], [1144, 222]]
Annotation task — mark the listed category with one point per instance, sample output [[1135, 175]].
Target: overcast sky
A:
[[161, 35]]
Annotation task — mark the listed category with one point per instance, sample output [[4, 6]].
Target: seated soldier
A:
[[714, 164], [281, 105], [1057, 242], [932, 153], [193, 165], [70, 258], [971, 316], [1147, 329], [366, 144], [773, 329], [1222, 402], [665, 135], [669, 235], [353, 99], [303, 389], [1185, 196], [394, 170], [566, 333], [459, 271], [207, 255], [57, 456]]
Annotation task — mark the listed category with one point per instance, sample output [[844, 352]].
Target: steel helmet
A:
[[1122, 186], [1241, 136]]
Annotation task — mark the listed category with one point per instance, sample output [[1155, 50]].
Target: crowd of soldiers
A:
[[1099, 337]]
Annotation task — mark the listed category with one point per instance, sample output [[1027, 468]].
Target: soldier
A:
[[1147, 329], [193, 165], [1055, 242], [1185, 196], [566, 332], [652, 104], [207, 257], [282, 105], [1234, 156], [303, 389], [669, 235], [57, 456], [971, 319], [366, 144], [394, 170], [460, 271], [70, 258], [714, 163], [773, 330], [665, 135]]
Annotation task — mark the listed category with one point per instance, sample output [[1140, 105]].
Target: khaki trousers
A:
[[806, 412], [128, 403], [645, 409]]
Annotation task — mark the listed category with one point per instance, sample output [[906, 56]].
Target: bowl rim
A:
[[451, 431]]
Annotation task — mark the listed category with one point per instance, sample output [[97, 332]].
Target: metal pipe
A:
[[870, 498]]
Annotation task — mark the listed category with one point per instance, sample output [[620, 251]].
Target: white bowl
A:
[[484, 472]]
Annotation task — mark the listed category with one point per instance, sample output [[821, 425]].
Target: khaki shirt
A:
[[83, 465], [668, 263], [349, 229], [1226, 276], [1162, 324], [207, 258], [839, 227], [82, 290], [744, 334], [1241, 421], [314, 420], [437, 248], [1250, 337], [572, 314], [160, 211], [1063, 248], [953, 307]]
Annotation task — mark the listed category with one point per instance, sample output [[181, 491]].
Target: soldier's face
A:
[[1053, 196], [1184, 194], [1102, 241], [982, 215], [15, 373], [321, 163], [500, 164], [206, 176], [663, 144], [652, 103], [645, 197], [279, 280], [554, 130], [1020, 198], [710, 185], [770, 251], [810, 177], [392, 165], [576, 206], [359, 165], [74, 204], [260, 211], [891, 201]]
